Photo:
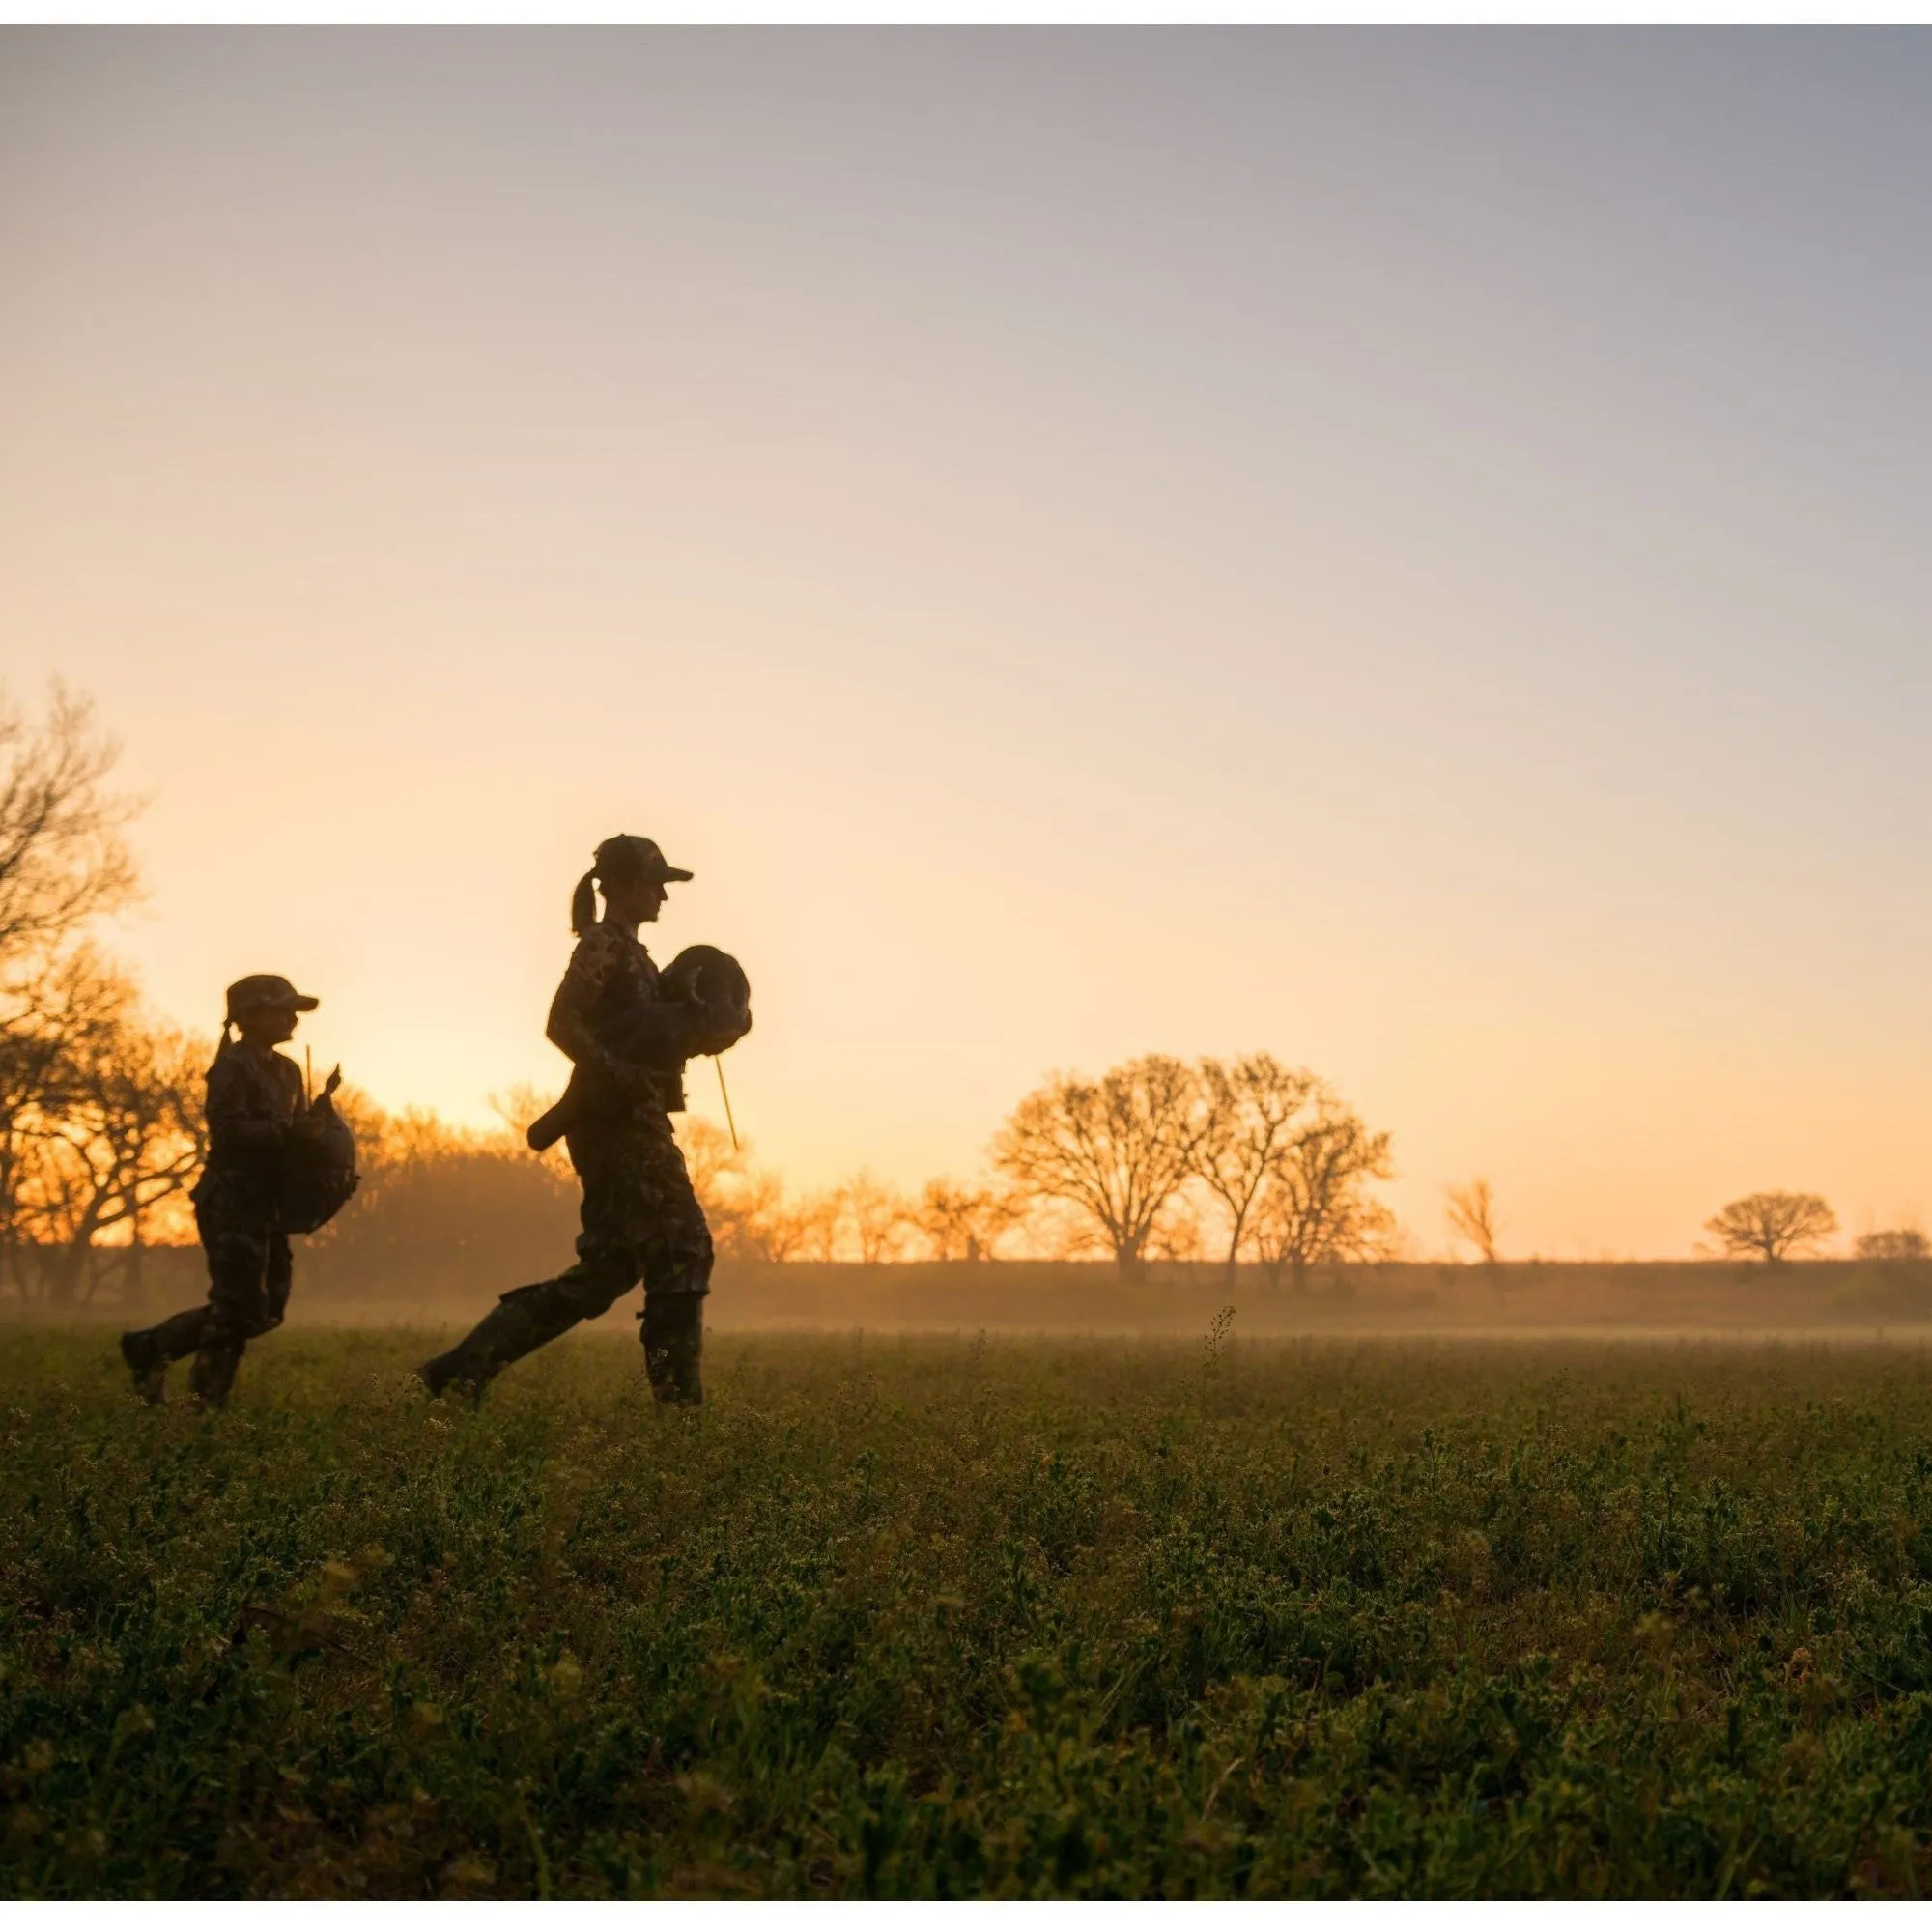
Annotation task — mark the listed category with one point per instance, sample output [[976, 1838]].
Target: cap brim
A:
[[671, 872]]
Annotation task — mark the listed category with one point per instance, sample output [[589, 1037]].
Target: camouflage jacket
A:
[[253, 1099], [610, 1016]]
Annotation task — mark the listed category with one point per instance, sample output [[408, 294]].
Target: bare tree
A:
[[1773, 1227], [1471, 1214], [817, 1225], [743, 1206], [1892, 1244], [1248, 1123], [753, 1222], [1177, 1234], [963, 1224], [1116, 1149], [60, 1018], [713, 1163], [749, 1216], [63, 861], [63, 858], [517, 1106], [1317, 1207], [879, 1216], [126, 1137], [147, 1106]]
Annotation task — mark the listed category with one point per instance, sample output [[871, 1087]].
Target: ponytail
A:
[[221, 1045], [619, 859]]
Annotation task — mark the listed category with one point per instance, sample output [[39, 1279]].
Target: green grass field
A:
[[956, 1618]]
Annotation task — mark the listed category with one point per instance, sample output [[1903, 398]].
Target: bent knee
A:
[[684, 1270], [689, 1277]]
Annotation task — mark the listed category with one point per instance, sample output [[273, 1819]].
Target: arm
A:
[[234, 1128], [656, 1037], [569, 1025], [663, 1036]]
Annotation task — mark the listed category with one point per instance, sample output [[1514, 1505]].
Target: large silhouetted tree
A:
[[1249, 1115], [1773, 1228], [1317, 1205], [63, 861], [63, 858], [1116, 1149], [60, 1019], [116, 1135]]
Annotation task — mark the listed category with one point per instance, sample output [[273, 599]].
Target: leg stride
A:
[[519, 1324]]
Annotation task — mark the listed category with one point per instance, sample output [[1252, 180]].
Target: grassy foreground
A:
[[958, 1618]]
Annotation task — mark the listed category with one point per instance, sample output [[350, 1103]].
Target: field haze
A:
[[937, 1617], [1176, 1300]]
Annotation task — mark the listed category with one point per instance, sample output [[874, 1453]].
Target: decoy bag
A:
[[318, 1170]]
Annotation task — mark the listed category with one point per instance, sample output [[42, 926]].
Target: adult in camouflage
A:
[[627, 1037]]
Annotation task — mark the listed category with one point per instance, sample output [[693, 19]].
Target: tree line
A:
[[1244, 1162], [101, 1132], [1158, 1159]]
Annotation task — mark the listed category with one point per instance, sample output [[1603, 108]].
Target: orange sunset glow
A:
[[1396, 553]]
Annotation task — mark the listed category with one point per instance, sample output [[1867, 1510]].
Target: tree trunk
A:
[[64, 1271]]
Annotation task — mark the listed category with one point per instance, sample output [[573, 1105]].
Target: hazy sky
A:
[[1409, 549]]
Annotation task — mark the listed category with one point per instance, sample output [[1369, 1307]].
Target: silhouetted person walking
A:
[[628, 1043], [255, 1109]]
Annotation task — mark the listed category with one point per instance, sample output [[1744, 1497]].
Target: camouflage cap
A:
[[267, 990], [629, 856]]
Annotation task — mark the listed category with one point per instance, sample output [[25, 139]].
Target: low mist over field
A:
[[1844, 1299]]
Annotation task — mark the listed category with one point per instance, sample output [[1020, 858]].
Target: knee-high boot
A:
[[673, 1338], [525, 1319]]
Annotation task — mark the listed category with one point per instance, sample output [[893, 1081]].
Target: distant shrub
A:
[[457, 1219], [1892, 1244]]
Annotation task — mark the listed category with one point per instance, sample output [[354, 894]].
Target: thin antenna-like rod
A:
[[726, 1093]]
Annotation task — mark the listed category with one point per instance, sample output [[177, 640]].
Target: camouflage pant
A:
[[249, 1269], [641, 1222]]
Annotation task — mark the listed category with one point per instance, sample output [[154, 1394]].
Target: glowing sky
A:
[[1408, 549]]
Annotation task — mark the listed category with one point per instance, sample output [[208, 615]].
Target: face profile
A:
[[269, 1026]]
